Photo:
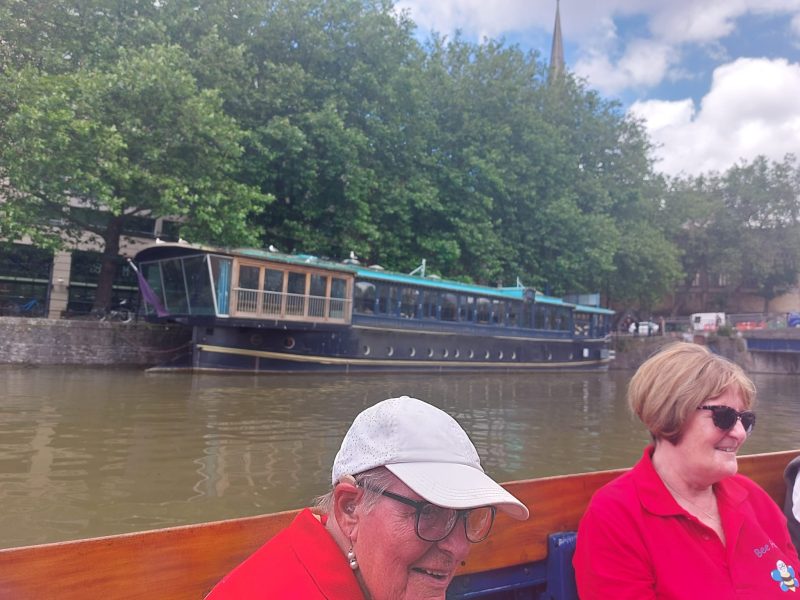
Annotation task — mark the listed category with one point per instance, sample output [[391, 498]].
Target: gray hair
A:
[[374, 482]]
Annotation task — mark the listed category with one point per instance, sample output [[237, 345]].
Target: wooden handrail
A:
[[185, 562]]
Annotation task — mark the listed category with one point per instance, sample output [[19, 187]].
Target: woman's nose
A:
[[738, 431]]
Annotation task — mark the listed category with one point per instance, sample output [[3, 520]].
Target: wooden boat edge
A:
[[186, 561]]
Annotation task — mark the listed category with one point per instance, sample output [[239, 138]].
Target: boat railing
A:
[[293, 307]]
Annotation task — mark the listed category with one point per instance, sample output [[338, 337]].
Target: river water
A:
[[88, 452]]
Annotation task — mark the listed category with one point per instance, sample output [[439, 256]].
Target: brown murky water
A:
[[87, 452]]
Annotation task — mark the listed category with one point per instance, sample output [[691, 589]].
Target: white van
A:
[[707, 321]]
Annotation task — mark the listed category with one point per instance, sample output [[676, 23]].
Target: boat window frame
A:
[[288, 270]]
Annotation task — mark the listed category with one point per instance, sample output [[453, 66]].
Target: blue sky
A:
[[715, 81]]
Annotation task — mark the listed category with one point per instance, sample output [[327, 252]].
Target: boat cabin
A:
[[197, 282]]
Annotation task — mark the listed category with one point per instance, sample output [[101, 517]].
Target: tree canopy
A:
[[326, 126], [739, 230]]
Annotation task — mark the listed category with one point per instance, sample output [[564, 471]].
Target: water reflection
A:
[[88, 452]]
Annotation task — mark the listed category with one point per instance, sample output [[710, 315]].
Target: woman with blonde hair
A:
[[682, 523]]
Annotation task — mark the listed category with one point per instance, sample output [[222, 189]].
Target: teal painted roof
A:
[[361, 272]]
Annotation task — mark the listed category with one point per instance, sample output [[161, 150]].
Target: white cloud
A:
[[644, 64], [627, 47], [609, 62], [751, 109], [477, 18]]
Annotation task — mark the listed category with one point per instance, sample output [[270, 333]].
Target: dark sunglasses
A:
[[725, 417], [433, 523]]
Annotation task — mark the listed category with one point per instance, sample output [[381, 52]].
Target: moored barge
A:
[[257, 310]]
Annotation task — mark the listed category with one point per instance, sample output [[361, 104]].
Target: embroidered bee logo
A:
[[784, 574]]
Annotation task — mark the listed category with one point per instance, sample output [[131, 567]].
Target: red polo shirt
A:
[[636, 542], [302, 561]]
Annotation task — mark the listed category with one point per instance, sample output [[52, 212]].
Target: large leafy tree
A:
[[89, 149], [368, 141], [740, 230]]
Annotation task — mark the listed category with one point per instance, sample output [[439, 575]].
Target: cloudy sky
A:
[[715, 81]]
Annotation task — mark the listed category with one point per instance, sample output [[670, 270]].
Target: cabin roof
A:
[[172, 250]]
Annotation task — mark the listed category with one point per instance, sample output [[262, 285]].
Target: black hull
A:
[[373, 349]]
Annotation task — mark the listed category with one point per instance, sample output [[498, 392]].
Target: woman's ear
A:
[[346, 497]]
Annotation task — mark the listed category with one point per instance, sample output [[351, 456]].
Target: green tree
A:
[[87, 150], [368, 141], [740, 229]]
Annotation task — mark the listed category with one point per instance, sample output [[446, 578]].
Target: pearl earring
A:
[[351, 557]]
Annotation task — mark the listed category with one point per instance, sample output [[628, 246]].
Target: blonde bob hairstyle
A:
[[670, 385]]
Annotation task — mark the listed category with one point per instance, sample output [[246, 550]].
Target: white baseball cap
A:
[[427, 450]]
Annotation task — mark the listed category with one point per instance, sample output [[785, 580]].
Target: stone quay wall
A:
[[632, 351], [139, 344], [89, 342]]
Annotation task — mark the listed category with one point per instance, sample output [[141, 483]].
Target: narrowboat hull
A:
[[371, 348]]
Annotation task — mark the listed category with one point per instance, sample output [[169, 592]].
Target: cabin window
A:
[[409, 298], [295, 293], [174, 286], [582, 323], [247, 292], [498, 311], [338, 295], [466, 309], [221, 272], [365, 297], [429, 302], [548, 317], [152, 274], [528, 315], [449, 307], [248, 277], [388, 299], [562, 320], [483, 310], [273, 292], [198, 282], [539, 312], [317, 291], [512, 316]]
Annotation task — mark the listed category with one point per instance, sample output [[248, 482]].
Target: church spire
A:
[[557, 50]]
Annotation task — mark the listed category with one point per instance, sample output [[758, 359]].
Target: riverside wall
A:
[[139, 344], [89, 342], [632, 351]]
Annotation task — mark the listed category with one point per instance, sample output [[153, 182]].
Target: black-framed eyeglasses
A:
[[725, 417], [433, 523]]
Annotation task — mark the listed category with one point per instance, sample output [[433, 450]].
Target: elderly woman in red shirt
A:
[[409, 497], [682, 524]]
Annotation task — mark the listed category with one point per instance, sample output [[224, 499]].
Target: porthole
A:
[[445, 353], [500, 355], [412, 352], [457, 353], [430, 352], [487, 355], [390, 351], [570, 355], [549, 356], [288, 343], [472, 353], [514, 355], [365, 350]]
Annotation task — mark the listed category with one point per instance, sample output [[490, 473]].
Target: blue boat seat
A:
[[549, 579]]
